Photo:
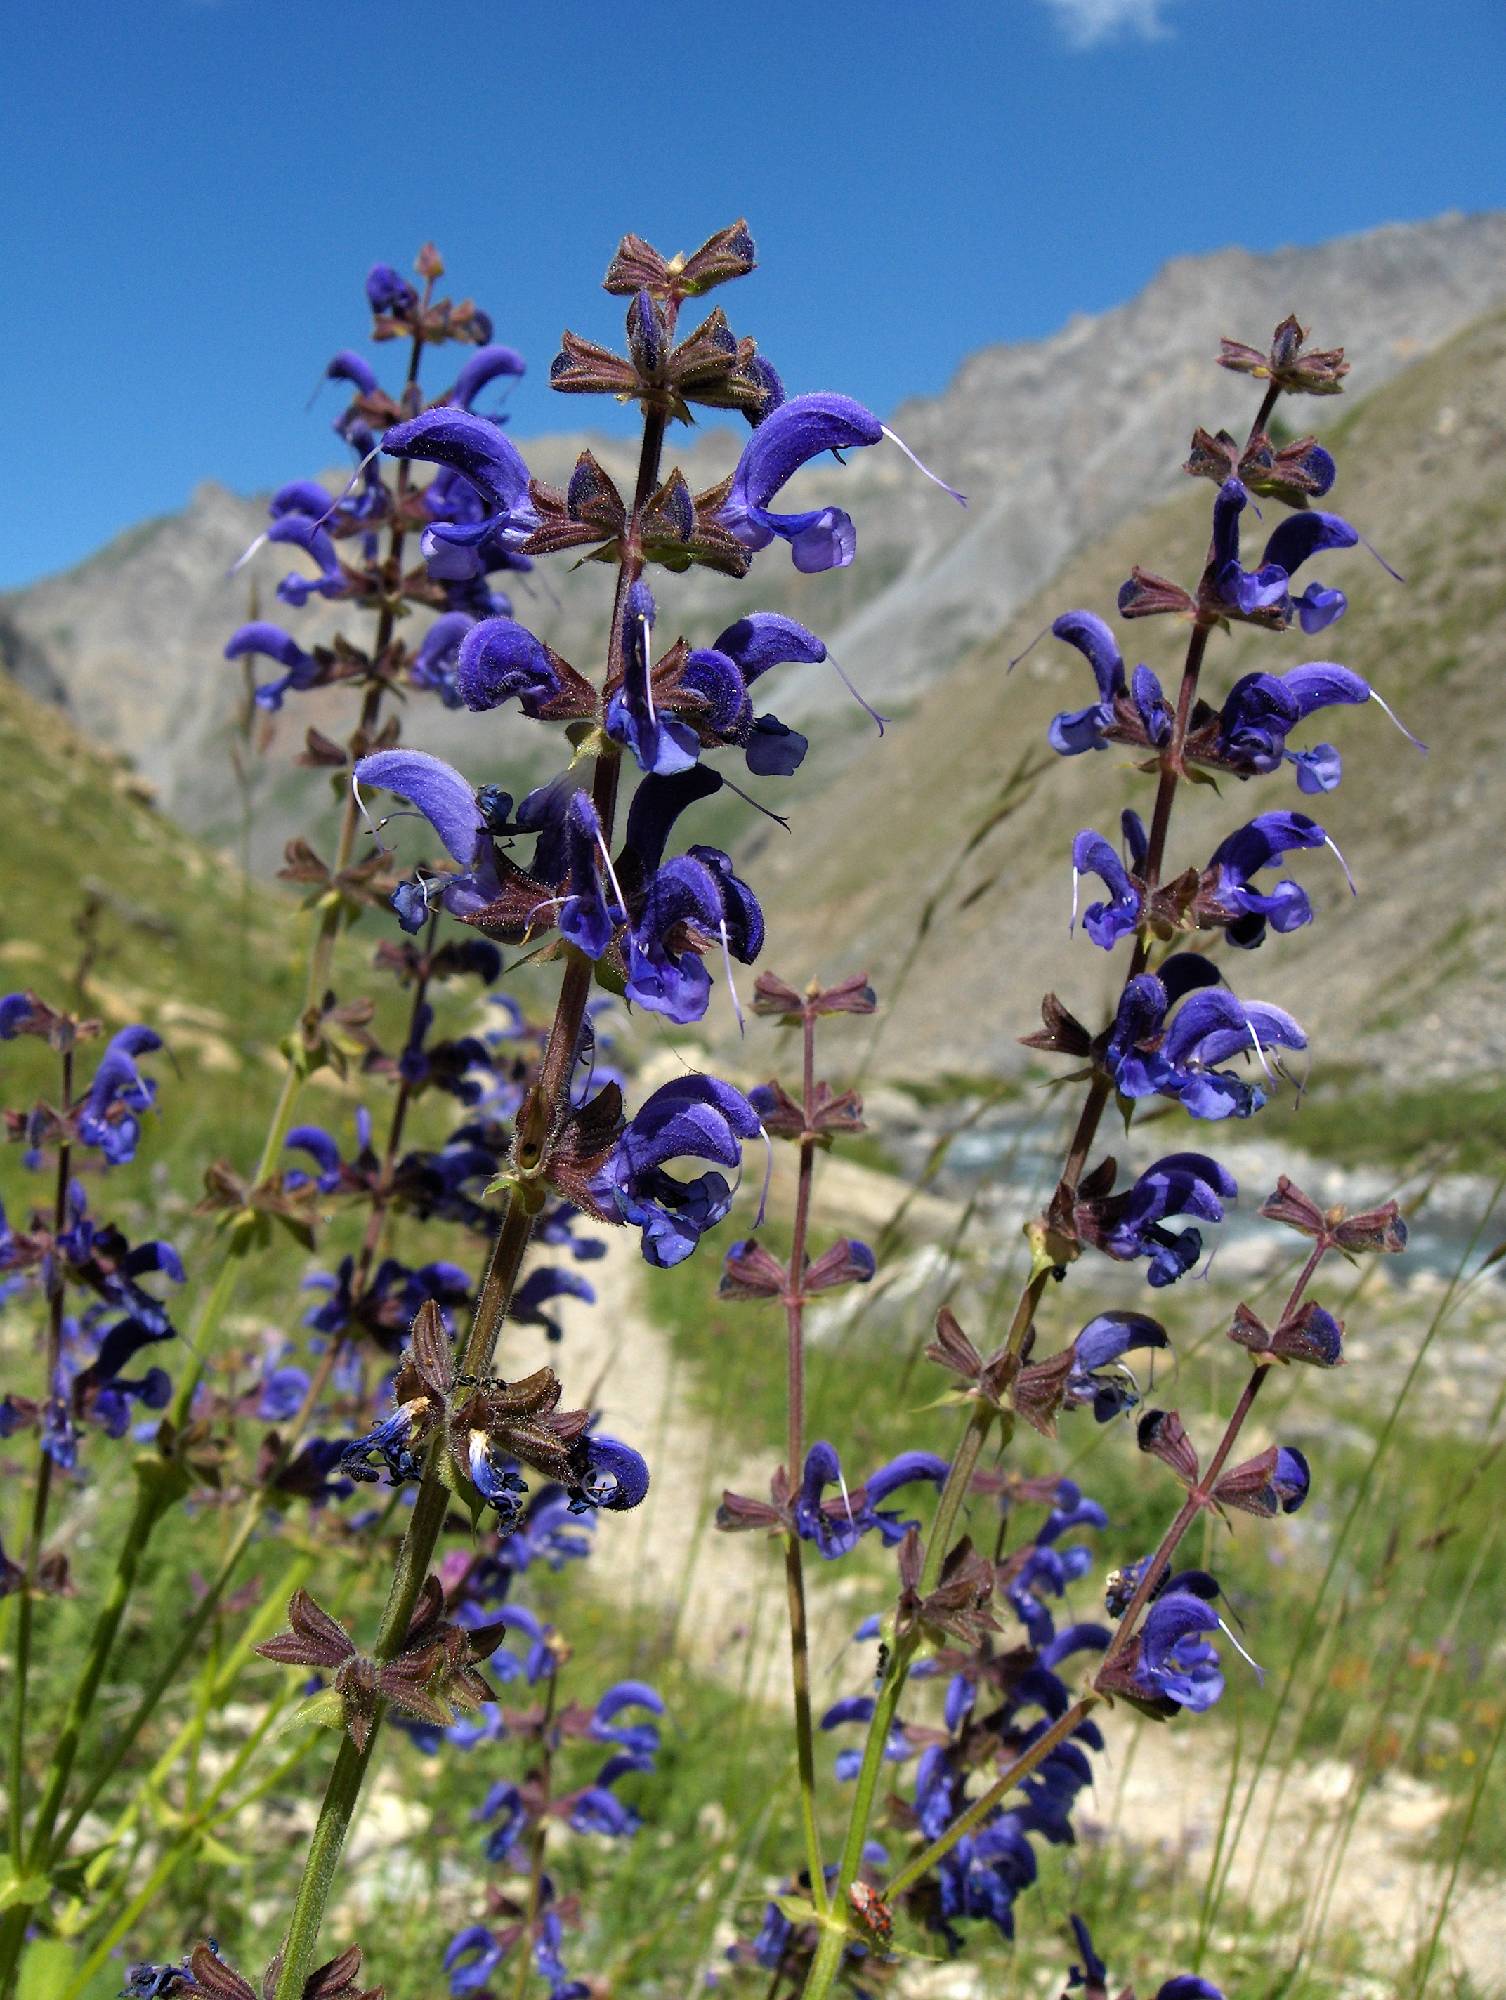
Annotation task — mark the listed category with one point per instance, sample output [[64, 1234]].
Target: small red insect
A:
[[872, 1912]]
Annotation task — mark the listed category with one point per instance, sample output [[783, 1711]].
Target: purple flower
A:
[[476, 448], [1264, 595], [661, 743], [1119, 914], [484, 366], [538, 1288], [301, 669], [695, 1117], [306, 532], [615, 1476], [1096, 1349], [388, 291], [108, 1117], [1262, 709], [837, 1525], [474, 1954], [1248, 850], [1076, 730], [1175, 1659], [788, 438], [499, 660], [1147, 1057], [348, 366], [1130, 1225], [437, 658], [689, 903], [447, 802]]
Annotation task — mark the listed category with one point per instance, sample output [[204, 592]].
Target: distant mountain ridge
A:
[[1055, 442]]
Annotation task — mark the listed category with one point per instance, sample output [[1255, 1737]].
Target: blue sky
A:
[[196, 187]]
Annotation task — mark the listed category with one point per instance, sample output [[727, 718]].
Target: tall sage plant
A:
[[402, 1394]]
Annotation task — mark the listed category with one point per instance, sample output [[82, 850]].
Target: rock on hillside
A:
[[1054, 440]]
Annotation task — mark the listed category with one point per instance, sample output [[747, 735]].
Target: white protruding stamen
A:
[[648, 670], [1329, 841], [240, 562], [1258, 1049], [349, 486], [366, 820], [920, 466], [846, 1496], [768, 1175], [612, 873], [1029, 649], [1386, 707], [742, 1026], [549, 903], [1259, 1670], [866, 706], [1076, 880]]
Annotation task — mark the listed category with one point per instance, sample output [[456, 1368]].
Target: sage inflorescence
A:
[[479, 1150]]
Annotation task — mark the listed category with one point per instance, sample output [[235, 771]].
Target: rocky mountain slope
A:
[[1055, 442]]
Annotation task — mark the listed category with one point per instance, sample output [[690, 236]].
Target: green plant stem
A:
[[538, 1840], [260, 1627], [794, 1566], [1027, 1761], [828, 1957], [41, 1493], [535, 1120]]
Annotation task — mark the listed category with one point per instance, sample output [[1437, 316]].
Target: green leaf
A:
[[47, 1969]]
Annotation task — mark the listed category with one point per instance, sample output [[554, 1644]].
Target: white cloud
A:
[[1089, 22]]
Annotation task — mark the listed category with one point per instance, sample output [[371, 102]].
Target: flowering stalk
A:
[[539, 1838], [1201, 1496], [299, 513], [794, 1570], [538, 1118], [1139, 1055], [42, 1491], [241, 1235]]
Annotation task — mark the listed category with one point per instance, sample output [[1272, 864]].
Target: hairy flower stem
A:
[[794, 1568], [1028, 1760], [538, 1840], [42, 1492], [536, 1119], [1201, 1495], [828, 1957]]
